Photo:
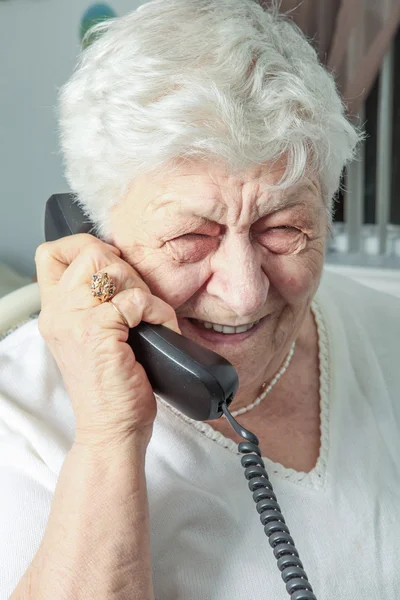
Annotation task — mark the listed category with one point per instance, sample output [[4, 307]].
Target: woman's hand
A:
[[101, 495], [110, 393]]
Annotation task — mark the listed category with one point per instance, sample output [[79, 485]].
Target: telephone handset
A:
[[201, 384], [192, 378]]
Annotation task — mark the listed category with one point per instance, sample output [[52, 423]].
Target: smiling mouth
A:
[[226, 329]]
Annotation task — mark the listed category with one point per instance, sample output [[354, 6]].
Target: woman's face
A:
[[227, 250]]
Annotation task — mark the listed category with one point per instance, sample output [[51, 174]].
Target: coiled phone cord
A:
[[297, 585]]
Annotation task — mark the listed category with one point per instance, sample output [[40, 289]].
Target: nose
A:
[[238, 279]]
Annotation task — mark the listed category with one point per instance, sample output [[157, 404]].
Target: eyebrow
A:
[[293, 199]]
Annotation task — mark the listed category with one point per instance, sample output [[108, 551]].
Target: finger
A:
[[98, 258], [137, 305], [53, 258]]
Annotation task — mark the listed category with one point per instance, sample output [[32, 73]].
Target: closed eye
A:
[[191, 247], [287, 227], [193, 236], [283, 239]]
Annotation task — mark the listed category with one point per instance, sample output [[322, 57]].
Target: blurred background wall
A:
[[39, 42]]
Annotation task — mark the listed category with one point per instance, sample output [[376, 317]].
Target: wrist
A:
[[108, 446]]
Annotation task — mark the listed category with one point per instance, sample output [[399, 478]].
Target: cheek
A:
[[296, 278], [173, 284]]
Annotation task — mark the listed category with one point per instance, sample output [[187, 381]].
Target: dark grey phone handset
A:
[[201, 384]]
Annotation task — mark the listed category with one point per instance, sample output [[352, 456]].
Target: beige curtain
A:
[[351, 36]]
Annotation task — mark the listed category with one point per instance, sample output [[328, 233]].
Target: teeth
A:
[[243, 328], [226, 328]]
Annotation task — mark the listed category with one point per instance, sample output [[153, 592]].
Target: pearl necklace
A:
[[264, 387]]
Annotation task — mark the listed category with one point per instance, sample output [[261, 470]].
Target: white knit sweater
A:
[[206, 537]]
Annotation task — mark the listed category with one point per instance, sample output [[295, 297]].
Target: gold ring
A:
[[103, 287], [120, 313]]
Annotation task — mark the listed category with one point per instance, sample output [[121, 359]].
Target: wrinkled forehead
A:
[[189, 185], [174, 201], [218, 173]]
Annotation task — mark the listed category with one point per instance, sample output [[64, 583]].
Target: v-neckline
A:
[[314, 478]]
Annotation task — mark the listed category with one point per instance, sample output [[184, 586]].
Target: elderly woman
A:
[[206, 143]]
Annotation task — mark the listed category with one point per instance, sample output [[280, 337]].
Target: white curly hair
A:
[[206, 80]]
